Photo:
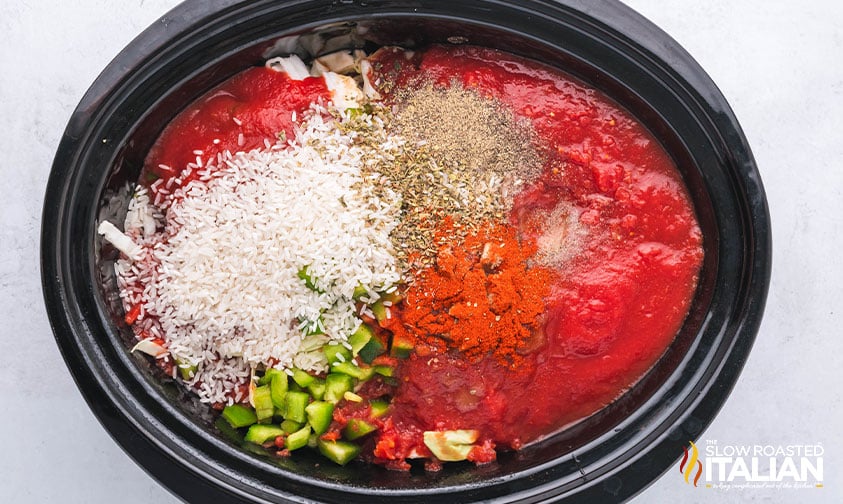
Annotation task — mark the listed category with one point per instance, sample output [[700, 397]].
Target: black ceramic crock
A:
[[608, 458]]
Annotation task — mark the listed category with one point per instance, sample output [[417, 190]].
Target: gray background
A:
[[778, 63]]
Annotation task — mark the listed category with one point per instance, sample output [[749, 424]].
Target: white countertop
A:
[[780, 65]]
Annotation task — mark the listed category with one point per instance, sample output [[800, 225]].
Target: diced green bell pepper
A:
[[378, 408], [359, 292], [384, 370], [267, 376], [186, 370], [353, 371], [337, 384], [302, 378], [319, 416], [380, 311], [391, 297], [360, 338], [278, 388], [317, 388], [340, 452], [336, 353], [290, 426], [357, 428], [297, 439], [296, 402], [239, 416], [309, 280], [260, 434], [401, 347], [264, 409], [374, 347]]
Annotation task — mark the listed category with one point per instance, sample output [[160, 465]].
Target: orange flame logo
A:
[[687, 466]]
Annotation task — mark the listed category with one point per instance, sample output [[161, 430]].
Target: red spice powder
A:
[[480, 297]]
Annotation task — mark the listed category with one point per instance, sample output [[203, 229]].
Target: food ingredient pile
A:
[[466, 156]]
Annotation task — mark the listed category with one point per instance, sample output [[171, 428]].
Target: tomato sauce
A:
[[238, 115], [617, 302]]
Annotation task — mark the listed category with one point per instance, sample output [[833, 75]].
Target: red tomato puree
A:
[[238, 115], [616, 304]]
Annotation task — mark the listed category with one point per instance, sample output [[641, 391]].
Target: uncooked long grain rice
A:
[[219, 276]]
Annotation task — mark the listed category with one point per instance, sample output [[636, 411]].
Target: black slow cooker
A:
[[610, 457]]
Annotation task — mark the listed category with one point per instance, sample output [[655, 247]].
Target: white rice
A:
[[217, 276]]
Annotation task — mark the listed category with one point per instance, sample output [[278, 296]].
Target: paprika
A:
[[480, 297]]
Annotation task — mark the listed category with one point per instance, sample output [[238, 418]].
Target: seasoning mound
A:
[[481, 297], [466, 130], [466, 155]]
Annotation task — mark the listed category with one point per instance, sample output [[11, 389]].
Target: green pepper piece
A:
[[380, 311], [314, 331], [384, 370], [278, 390], [186, 370], [378, 408], [357, 428], [262, 397], [359, 292], [297, 439], [317, 388], [337, 384], [401, 347], [360, 338], [319, 416], [296, 402], [290, 426], [391, 297], [260, 434], [372, 349], [350, 369], [267, 376], [336, 353], [238, 415], [340, 452], [309, 280], [302, 378]]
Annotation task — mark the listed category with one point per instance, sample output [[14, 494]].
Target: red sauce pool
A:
[[238, 115], [616, 305]]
